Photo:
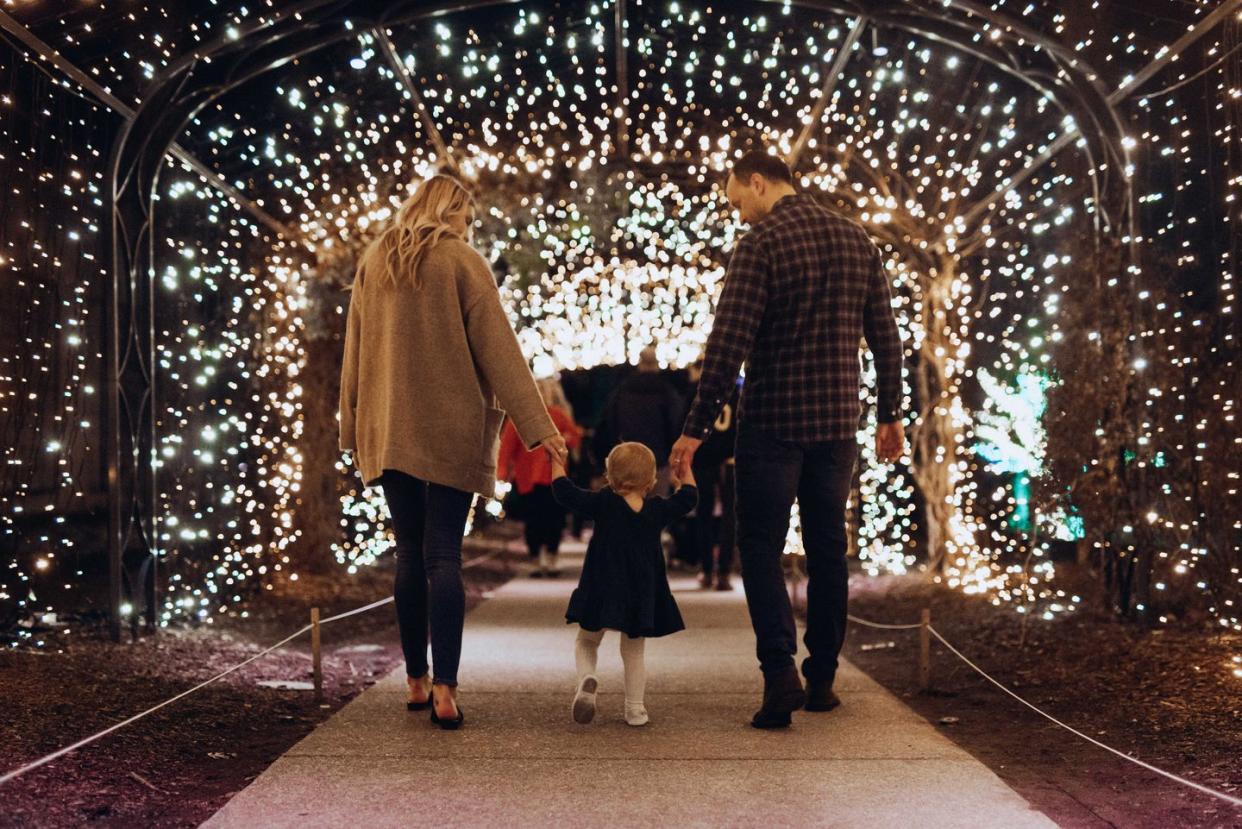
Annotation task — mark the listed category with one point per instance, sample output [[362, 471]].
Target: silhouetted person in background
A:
[[531, 475], [644, 409], [713, 468]]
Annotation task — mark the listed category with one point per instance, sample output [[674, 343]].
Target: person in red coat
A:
[[531, 476]]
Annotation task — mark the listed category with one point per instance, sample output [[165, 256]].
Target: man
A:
[[645, 409], [802, 288]]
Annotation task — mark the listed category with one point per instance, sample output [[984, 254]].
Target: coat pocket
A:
[[493, 419]]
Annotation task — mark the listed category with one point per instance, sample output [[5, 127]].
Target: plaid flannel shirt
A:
[[803, 287]]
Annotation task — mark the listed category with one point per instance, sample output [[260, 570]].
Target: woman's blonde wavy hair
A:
[[393, 258]]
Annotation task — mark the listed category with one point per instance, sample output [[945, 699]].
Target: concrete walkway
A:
[[521, 761]]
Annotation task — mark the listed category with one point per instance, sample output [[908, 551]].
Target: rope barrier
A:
[[43, 761], [477, 560], [348, 613], [1236, 801], [881, 626], [1228, 798], [87, 741]]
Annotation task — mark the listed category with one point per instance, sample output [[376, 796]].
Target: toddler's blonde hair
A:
[[631, 468]]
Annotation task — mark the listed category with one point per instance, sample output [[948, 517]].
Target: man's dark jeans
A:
[[771, 474]]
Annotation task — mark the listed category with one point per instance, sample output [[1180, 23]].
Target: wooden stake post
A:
[[316, 654], [925, 649]]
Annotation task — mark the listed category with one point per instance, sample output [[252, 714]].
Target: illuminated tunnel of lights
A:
[[990, 149]]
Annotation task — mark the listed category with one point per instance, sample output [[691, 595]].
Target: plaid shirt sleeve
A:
[[884, 340], [738, 315]]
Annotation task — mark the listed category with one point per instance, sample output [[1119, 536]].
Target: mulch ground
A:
[[178, 766], [1167, 696]]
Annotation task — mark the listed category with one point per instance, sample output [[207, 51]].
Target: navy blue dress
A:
[[624, 584]]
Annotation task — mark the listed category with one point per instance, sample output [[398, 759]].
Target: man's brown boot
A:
[[820, 697], [782, 695]]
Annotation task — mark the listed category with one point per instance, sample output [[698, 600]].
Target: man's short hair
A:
[[771, 167]]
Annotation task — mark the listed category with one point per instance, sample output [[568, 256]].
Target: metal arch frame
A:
[[1016, 53], [203, 75], [814, 121], [188, 85]]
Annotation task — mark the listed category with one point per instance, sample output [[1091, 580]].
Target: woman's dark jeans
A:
[[771, 474], [429, 521]]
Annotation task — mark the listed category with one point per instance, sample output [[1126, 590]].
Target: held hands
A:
[[682, 456], [890, 441], [558, 451], [683, 480]]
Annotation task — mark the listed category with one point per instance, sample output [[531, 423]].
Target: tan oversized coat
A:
[[429, 374]]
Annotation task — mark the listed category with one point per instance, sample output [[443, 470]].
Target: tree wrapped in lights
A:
[[1159, 511], [1010, 434]]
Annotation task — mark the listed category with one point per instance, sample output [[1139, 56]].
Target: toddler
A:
[[624, 585]]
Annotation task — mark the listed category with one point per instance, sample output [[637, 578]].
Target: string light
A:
[[606, 249]]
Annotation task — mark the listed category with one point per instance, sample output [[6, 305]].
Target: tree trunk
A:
[[935, 436]]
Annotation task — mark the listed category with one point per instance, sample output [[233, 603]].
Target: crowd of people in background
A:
[[648, 406], [530, 476]]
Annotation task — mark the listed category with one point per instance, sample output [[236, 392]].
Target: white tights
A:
[[586, 653]]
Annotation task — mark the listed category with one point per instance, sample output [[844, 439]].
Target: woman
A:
[[531, 474], [431, 367]]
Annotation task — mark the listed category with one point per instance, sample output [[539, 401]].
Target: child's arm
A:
[[570, 495], [680, 502]]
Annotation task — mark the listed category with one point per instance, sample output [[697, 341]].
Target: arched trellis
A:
[[196, 79]]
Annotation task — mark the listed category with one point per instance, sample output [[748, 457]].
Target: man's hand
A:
[[683, 455], [890, 441], [557, 451]]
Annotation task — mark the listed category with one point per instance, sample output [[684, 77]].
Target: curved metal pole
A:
[[429, 124], [825, 93], [622, 116], [199, 77], [66, 67]]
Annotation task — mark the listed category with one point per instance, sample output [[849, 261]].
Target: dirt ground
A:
[[178, 766], [1167, 696]]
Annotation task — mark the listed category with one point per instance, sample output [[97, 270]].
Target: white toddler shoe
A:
[[635, 713]]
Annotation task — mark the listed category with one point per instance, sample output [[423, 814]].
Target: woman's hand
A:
[[558, 452]]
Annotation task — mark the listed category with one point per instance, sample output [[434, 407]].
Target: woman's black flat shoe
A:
[[447, 725]]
